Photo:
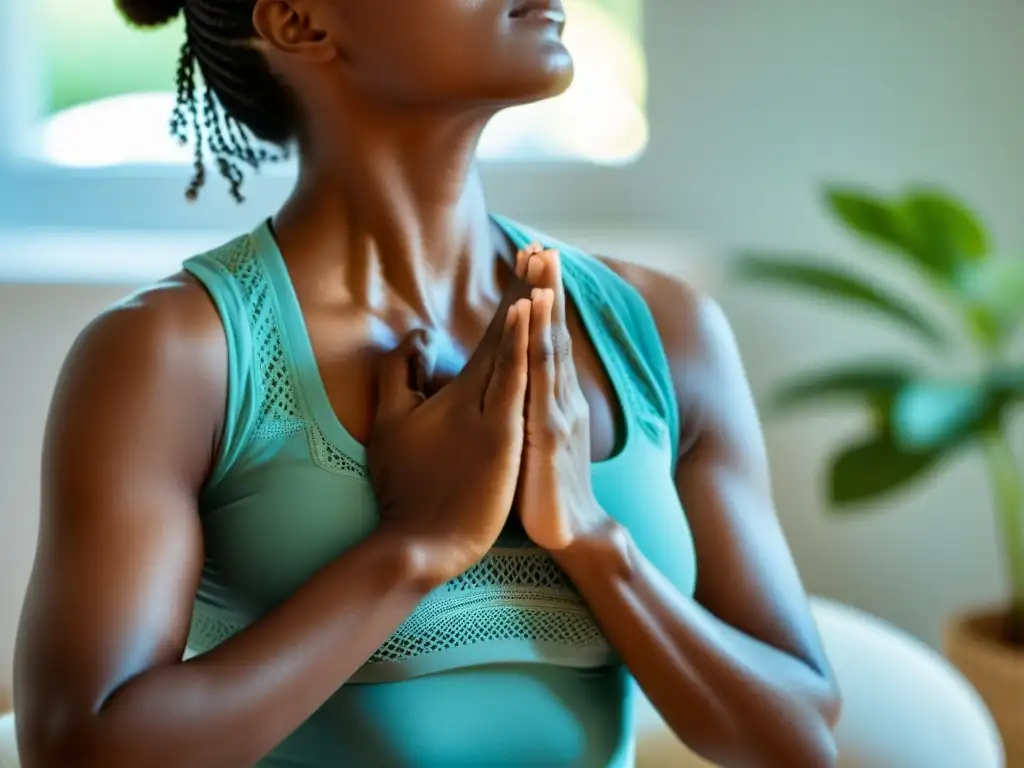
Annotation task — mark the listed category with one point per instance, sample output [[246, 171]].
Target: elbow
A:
[[812, 745], [827, 701], [803, 737], [817, 747], [809, 743], [832, 709], [59, 739], [80, 753], [46, 744], [805, 741]]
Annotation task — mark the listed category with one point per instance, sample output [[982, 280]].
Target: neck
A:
[[396, 209]]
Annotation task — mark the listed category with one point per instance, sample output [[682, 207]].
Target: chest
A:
[[283, 518], [348, 344]]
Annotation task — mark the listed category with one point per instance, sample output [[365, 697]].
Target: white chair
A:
[[904, 706], [8, 750]]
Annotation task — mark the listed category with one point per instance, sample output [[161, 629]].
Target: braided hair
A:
[[240, 106]]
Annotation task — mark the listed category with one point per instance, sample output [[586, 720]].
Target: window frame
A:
[[40, 195]]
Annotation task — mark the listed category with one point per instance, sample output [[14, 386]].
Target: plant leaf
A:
[[1007, 387], [926, 414], [875, 467], [874, 382], [930, 229], [868, 215], [941, 230], [832, 283], [993, 292]]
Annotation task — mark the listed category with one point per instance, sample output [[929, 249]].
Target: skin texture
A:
[[387, 235], [739, 675]]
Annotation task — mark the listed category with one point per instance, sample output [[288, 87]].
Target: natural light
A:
[[600, 119]]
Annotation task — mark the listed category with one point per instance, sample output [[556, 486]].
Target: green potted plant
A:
[[920, 416]]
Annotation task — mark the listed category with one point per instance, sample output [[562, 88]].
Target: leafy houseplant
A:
[[920, 418]]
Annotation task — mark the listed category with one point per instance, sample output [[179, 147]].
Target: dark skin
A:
[[738, 673], [385, 234]]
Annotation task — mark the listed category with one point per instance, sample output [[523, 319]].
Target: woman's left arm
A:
[[738, 673]]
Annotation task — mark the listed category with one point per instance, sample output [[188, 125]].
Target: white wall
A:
[[37, 325], [754, 104], [769, 100]]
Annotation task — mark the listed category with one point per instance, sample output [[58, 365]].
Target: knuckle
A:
[[505, 356], [543, 351], [502, 362], [579, 409], [555, 430], [562, 343]]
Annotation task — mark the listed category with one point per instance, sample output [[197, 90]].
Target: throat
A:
[[434, 268]]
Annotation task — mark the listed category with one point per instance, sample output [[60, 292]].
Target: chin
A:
[[557, 76], [550, 76]]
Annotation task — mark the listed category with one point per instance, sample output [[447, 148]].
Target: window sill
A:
[[134, 258], [96, 257], [38, 195]]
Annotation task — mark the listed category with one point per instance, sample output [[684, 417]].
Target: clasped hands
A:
[[513, 424]]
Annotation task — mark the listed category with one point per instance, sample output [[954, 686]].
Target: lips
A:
[[551, 10]]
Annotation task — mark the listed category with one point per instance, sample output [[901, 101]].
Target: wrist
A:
[[425, 561], [605, 549], [413, 561]]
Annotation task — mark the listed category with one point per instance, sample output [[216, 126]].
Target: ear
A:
[[289, 27]]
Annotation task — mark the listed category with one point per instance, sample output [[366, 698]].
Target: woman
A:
[[282, 457]]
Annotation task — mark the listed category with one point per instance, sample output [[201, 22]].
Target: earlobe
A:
[[287, 26]]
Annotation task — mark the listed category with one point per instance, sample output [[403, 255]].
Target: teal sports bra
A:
[[504, 665]]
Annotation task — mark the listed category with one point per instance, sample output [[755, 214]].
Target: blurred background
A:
[[696, 131]]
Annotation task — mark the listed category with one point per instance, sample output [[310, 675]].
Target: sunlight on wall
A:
[[108, 112]]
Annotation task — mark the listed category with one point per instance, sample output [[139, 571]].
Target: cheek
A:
[[403, 62], [412, 45]]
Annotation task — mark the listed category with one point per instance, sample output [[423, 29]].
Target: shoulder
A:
[[696, 335], [183, 314], [139, 366], [692, 325], [156, 324]]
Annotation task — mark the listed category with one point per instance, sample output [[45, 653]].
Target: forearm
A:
[[731, 698], [233, 705]]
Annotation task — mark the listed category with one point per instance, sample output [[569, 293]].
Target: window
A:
[[108, 98]]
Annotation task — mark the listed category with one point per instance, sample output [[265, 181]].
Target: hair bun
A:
[[150, 13]]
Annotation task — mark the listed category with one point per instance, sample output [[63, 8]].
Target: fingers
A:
[[477, 372], [523, 258], [506, 390], [544, 270], [397, 392], [542, 357]]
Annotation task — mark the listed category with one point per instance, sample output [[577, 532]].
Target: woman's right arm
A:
[[99, 679]]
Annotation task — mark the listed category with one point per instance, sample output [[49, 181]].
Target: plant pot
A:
[[976, 645]]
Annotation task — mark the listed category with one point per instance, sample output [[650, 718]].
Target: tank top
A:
[[502, 666]]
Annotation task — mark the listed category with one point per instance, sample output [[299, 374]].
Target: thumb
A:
[[397, 393]]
